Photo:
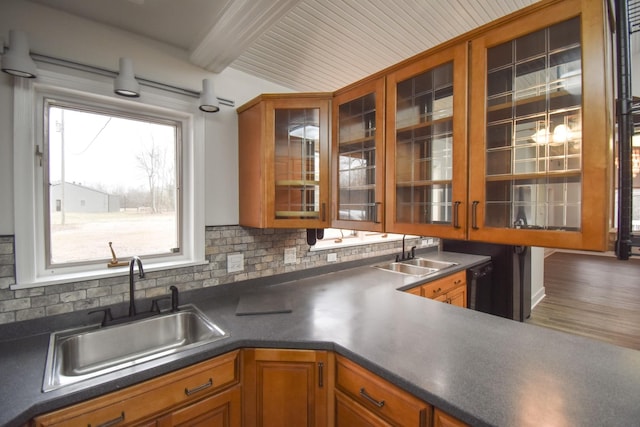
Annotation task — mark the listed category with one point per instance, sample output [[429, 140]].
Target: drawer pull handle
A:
[[435, 291], [111, 422], [378, 403], [194, 390]]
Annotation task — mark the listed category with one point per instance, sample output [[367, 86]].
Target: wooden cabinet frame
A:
[[377, 87], [597, 122], [458, 55]]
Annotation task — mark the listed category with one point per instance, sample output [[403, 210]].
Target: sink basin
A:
[[401, 267], [430, 263], [78, 354], [416, 267]]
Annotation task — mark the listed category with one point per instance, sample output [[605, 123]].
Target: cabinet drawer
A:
[[440, 286], [379, 396], [149, 398]]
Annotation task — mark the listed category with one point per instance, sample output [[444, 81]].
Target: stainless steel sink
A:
[[416, 267], [82, 353], [430, 263]]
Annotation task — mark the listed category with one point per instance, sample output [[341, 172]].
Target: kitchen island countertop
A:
[[482, 369]]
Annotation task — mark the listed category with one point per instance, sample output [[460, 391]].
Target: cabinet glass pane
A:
[[297, 163], [534, 130], [424, 147], [357, 159]]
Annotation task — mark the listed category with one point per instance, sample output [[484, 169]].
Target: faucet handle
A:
[[155, 307], [106, 315], [174, 298]]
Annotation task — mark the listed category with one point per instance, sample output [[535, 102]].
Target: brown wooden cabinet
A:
[[541, 124], [287, 387], [502, 135], [450, 289], [426, 145], [442, 419], [358, 157], [220, 410], [364, 399], [177, 395], [284, 167]]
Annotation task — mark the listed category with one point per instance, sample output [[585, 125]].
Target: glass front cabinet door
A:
[[358, 157], [284, 161], [541, 129], [426, 145]]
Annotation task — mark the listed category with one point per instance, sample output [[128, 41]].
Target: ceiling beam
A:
[[241, 24]]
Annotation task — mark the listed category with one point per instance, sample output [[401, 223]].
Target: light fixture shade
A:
[[208, 99], [17, 61], [126, 83]]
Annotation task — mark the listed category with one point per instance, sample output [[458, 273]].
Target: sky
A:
[[102, 150]]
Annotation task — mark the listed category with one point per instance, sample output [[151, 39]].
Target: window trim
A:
[[27, 151]]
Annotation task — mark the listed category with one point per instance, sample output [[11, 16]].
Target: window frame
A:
[[28, 146], [93, 108]]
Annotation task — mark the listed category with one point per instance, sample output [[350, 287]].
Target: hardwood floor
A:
[[593, 296]]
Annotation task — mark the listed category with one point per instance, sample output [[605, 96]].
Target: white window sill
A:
[[329, 243], [102, 274]]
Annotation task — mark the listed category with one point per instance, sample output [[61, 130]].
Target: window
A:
[[107, 173], [114, 179]]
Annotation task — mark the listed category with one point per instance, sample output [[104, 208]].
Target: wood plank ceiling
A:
[[305, 45], [323, 45]]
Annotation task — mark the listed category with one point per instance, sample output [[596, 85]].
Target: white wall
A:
[[61, 35], [537, 275]]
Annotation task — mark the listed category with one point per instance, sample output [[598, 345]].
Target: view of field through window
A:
[[110, 179]]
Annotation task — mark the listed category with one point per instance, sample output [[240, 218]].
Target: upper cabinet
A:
[[426, 145], [284, 161], [541, 129], [358, 157], [502, 135]]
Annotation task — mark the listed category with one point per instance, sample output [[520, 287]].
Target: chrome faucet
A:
[[132, 302]]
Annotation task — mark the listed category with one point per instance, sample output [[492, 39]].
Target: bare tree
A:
[[151, 162]]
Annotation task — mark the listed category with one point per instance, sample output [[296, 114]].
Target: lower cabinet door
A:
[[442, 419], [458, 296], [286, 387], [220, 410], [350, 414]]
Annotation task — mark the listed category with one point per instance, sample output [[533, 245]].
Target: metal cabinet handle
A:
[[435, 291], [194, 390], [474, 214], [111, 422], [378, 403], [320, 374], [323, 211], [377, 217], [456, 218]]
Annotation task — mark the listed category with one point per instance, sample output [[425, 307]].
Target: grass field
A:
[[86, 236]]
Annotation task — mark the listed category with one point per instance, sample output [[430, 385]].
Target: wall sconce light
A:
[[208, 99], [17, 61], [126, 84]]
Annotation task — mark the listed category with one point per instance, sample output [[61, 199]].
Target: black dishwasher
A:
[[504, 289]]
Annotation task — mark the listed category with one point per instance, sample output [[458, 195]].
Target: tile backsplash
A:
[[263, 251]]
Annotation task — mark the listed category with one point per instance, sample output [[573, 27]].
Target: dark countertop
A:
[[482, 369]]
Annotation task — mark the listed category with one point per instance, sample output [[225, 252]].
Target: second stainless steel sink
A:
[[430, 263], [82, 353], [416, 266]]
